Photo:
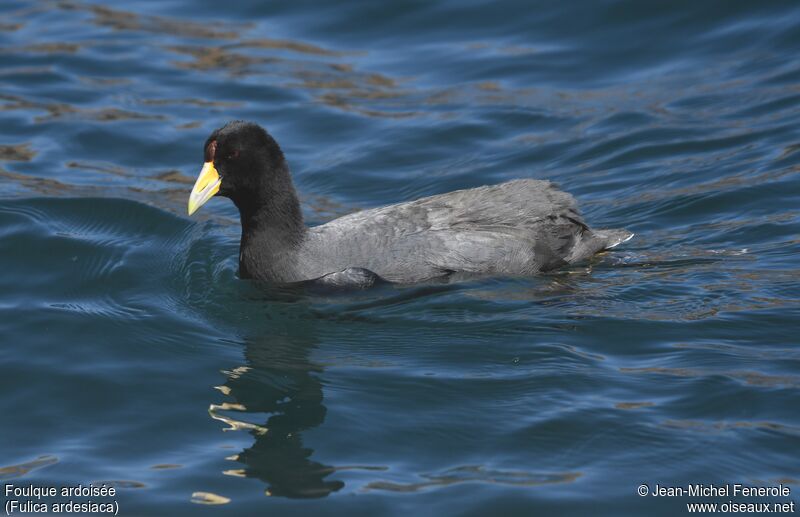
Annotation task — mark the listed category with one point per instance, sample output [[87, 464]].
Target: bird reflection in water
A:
[[280, 380]]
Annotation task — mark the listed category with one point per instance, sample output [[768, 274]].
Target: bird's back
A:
[[514, 228]]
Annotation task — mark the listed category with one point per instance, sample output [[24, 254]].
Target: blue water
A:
[[132, 355]]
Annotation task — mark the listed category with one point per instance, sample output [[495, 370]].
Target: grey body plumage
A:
[[520, 227]]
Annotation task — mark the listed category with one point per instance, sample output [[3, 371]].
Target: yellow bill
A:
[[205, 187]]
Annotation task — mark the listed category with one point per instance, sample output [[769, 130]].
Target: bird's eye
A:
[[233, 154]]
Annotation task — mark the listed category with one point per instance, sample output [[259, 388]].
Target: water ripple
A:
[[130, 344]]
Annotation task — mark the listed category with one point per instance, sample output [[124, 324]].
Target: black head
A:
[[243, 163], [248, 160]]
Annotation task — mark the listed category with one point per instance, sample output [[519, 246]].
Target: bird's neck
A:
[[272, 232]]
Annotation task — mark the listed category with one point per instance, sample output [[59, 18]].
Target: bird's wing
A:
[[518, 227]]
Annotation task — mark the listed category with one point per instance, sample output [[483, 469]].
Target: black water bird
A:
[[520, 227]]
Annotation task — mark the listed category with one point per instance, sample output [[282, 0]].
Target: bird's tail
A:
[[610, 238], [594, 241]]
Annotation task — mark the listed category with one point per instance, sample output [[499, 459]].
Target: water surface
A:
[[133, 355]]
